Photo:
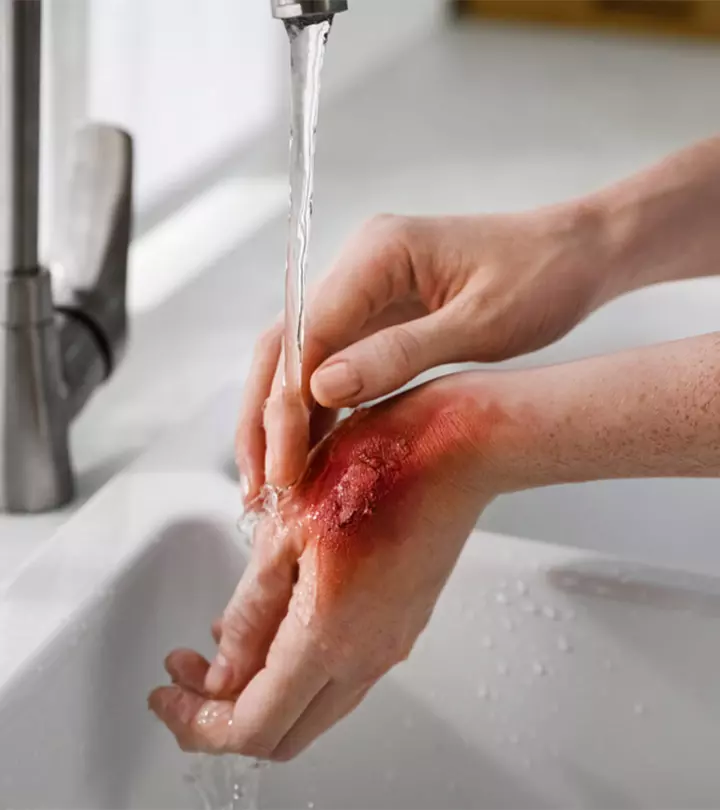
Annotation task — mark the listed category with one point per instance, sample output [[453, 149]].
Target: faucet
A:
[[307, 10], [61, 335]]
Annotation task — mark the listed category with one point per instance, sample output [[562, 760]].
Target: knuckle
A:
[[386, 229], [236, 627], [402, 348]]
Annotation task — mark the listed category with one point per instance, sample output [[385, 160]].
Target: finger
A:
[[263, 714], [254, 612], [287, 437], [188, 669], [374, 271], [279, 694], [382, 363], [250, 434], [197, 723], [335, 702]]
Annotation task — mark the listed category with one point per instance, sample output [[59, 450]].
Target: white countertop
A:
[[468, 120]]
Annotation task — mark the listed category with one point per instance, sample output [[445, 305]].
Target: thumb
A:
[[387, 360], [254, 613]]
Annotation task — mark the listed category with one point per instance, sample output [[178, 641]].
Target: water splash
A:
[[266, 505], [226, 783]]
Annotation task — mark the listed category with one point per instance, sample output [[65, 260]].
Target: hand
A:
[[333, 600], [410, 294]]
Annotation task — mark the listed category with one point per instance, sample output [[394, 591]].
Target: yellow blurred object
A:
[[699, 18]]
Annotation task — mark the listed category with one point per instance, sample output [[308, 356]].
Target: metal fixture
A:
[[308, 10], [56, 345]]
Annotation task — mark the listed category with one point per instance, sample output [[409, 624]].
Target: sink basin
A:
[[549, 677]]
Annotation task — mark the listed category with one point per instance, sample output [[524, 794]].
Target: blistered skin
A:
[[366, 482]]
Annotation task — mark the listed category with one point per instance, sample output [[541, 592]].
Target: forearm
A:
[[662, 224], [651, 412]]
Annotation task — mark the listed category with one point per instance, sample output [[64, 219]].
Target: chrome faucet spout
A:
[[309, 10]]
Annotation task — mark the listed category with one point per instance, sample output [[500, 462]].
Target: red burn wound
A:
[[361, 481]]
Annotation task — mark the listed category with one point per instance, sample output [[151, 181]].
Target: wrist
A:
[[661, 224]]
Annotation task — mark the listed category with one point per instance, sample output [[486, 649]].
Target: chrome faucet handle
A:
[[89, 250], [55, 350]]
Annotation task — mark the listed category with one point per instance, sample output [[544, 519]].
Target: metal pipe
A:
[[306, 9], [20, 27]]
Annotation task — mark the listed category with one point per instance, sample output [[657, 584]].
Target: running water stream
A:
[[231, 782], [307, 51]]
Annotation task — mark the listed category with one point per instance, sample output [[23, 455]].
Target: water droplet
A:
[[311, 805], [502, 668], [487, 642], [509, 624], [639, 708], [570, 614], [502, 584], [539, 668], [521, 587], [483, 692], [564, 645], [530, 607], [549, 612], [501, 598]]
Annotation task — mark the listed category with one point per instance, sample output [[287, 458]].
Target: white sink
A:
[[549, 677]]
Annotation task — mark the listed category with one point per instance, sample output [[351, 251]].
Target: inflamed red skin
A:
[[371, 515], [339, 589]]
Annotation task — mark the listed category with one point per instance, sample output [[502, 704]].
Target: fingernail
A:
[[218, 675], [337, 381]]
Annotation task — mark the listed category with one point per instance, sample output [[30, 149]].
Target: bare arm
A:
[[650, 412], [663, 224]]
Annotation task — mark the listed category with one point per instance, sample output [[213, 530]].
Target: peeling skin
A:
[[368, 480]]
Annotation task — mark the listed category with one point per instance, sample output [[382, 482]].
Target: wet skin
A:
[[346, 584]]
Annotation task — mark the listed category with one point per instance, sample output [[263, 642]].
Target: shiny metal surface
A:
[[89, 248], [54, 351], [290, 9], [19, 133]]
